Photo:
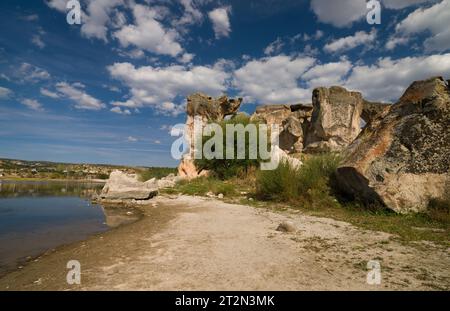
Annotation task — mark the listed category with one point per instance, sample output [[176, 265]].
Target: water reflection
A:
[[12, 189], [38, 216]]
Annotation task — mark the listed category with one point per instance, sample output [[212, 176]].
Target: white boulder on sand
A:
[[122, 186]]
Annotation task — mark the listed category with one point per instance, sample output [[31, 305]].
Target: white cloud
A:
[[186, 58], [273, 79], [387, 79], [59, 5], [339, 13], [162, 87], [434, 20], [76, 93], [37, 40], [30, 18], [30, 73], [350, 42], [5, 93], [275, 47], [32, 104], [132, 139], [328, 74], [148, 34], [119, 110], [394, 41], [342, 13], [192, 15], [400, 4], [221, 21], [97, 18], [49, 93]]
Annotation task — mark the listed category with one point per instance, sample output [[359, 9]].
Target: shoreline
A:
[[115, 217], [194, 243], [20, 179]]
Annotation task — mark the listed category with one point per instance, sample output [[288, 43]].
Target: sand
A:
[[192, 243]]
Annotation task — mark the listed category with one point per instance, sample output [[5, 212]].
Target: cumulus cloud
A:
[[339, 13], [273, 79], [221, 21], [400, 4], [148, 34], [192, 15], [59, 5], [388, 78], [350, 42], [327, 74], [132, 139], [119, 110], [76, 93], [32, 104], [343, 13], [433, 20], [163, 88], [5, 92], [30, 73], [275, 47], [49, 93], [97, 17]]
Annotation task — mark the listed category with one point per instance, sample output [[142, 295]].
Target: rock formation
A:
[[204, 108], [336, 119], [122, 186], [291, 120], [402, 159]]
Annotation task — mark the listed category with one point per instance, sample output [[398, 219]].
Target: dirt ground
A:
[[190, 243]]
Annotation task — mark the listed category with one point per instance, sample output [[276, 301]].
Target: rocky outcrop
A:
[[203, 108], [291, 121], [335, 119], [402, 159], [122, 186], [373, 110]]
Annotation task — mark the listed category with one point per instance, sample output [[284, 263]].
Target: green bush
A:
[[227, 168], [311, 183]]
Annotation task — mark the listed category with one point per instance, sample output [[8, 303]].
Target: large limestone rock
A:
[[402, 159], [291, 120], [122, 186], [335, 119], [203, 108]]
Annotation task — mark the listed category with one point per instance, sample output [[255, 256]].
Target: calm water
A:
[[38, 216]]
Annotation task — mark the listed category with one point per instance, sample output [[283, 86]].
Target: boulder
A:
[[335, 121], [402, 160], [291, 121], [122, 186]]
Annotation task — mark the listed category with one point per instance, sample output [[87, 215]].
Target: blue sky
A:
[[108, 90]]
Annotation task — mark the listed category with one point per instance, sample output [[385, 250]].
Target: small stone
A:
[[220, 196], [286, 226]]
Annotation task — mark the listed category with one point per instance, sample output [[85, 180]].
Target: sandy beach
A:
[[192, 243]]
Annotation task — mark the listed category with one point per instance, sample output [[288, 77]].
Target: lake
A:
[[39, 216]]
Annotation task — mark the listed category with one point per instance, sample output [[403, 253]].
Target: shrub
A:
[[227, 168], [311, 183]]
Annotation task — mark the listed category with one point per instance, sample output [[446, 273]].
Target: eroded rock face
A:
[[122, 186], [291, 121], [402, 159], [335, 119], [203, 108]]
